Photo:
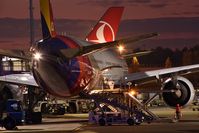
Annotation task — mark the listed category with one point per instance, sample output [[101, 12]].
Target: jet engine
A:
[[178, 91]]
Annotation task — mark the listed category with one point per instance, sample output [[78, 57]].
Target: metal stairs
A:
[[98, 98]]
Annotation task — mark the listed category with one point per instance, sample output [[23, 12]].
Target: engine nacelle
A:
[[183, 93]]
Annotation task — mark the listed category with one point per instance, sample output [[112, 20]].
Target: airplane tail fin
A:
[[106, 29], [48, 29]]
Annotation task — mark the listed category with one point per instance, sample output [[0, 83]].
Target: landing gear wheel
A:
[[137, 123], [130, 122], [9, 123], [102, 122]]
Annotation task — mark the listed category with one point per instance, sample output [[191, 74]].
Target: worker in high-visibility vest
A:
[[178, 113]]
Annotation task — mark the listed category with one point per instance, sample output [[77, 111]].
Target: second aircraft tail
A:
[[106, 28]]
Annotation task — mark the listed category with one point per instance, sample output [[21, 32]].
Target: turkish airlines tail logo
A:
[[106, 29]]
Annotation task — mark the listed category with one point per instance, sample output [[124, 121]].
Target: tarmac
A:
[[78, 123]]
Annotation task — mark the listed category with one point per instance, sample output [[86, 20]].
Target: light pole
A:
[[31, 22]]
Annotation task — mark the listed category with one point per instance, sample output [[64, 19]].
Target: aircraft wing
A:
[[85, 50], [161, 73], [19, 79], [15, 54]]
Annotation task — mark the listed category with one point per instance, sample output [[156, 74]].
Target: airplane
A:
[[105, 31], [112, 16], [65, 66]]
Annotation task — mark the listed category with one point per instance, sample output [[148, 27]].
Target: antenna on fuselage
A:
[[32, 40]]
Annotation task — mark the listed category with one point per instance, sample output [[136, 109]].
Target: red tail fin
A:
[[106, 29]]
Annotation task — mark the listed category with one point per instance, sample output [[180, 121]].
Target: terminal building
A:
[[13, 65]]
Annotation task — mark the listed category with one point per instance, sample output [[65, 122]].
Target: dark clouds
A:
[[140, 1], [197, 6], [176, 20], [113, 2], [176, 27], [93, 9], [185, 13], [101, 2], [174, 32], [157, 5]]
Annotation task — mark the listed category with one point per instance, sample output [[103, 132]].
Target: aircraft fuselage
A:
[[64, 77]]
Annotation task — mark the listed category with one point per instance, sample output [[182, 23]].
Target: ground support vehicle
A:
[[14, 115], [109, 118]]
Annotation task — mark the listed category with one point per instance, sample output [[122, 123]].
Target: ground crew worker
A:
[[91, 115], [178, 113]]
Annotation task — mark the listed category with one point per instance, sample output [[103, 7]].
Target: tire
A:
[[137, 123], [72, 107], [44, 108], [9, 123], [109, 121], [61, 111], [33, 117], [102, 122], [36, 117], [130, 121]]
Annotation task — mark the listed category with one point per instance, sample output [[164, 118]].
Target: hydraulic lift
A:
[[135, 115]]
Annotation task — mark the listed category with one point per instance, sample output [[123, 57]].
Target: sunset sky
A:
[[177, 21], [92, 9]]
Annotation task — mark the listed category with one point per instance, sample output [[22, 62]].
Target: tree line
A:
[[160, 57]]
